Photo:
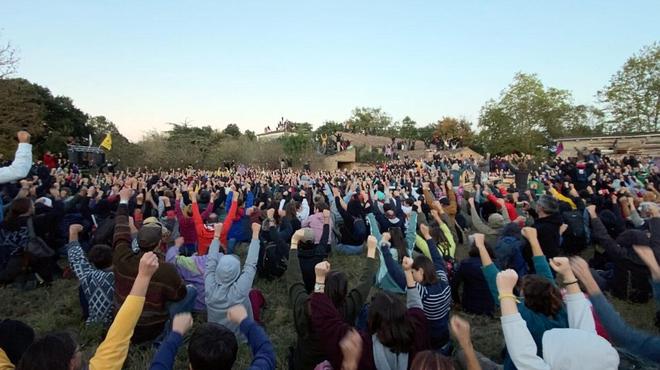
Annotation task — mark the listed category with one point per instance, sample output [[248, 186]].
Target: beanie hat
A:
[[495, 221], [15, 338], [149, 236]]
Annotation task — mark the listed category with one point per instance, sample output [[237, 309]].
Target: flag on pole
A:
[[560, 148], [107, 142]]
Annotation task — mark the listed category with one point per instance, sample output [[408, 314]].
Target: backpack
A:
[[359, 228], [270, 265], [575, 223]]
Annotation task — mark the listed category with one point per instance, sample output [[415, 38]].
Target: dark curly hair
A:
[[541, 295]]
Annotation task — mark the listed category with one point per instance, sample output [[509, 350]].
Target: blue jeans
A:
[[231, 245], [348, 249], [174, 308]]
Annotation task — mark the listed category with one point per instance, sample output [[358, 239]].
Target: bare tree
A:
[[8, 60]]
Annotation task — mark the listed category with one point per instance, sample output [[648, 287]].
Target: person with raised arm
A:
[[112, 352], [22, 163], [542, 307], [637, 342], [226, 285], [574, 347], [308, 351]]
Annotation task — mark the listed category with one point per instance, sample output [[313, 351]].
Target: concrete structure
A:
[[614, 145], [271, 135], [339, 161]]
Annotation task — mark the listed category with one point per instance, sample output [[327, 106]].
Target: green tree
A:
[[632, 97], [526, 117], [329, 128], [369, 121], [51, 120], [250, 135], [301, 127], [232, 129], [408, 128], [296, 145], [450, 127]]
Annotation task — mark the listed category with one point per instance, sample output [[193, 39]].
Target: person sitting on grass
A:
[[309, 351], [396, 331], [168, 295], [637, 342], [213, 346], [15, 338], [226, 285], [60, 351], [575, 347], [431, 281], [542, 307], [95, 274]]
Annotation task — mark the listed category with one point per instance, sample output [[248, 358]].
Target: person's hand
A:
[[385, 237], [256, 228], [561, 265], [479, 240], [506, 280], [148, 265], [529, 233], [237, 314], [270, 213], [562, 229], [471, 201], [23, 137], [281, 212], [581, 270], [75, 229], [326, 214], [178, 242], [647, 255], [351, 349], [407, 263], [424, 229], [335, 192], [592, 211], [125, 194], [321, 270], [182, 322], [460, 328], [297, 237], [500, 201], [372, 243]]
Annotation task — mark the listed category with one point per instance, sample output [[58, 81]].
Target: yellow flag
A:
[[107, 142]]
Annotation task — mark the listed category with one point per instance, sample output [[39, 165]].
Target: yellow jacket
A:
[[5, 364], [562, 198], [112, 352]]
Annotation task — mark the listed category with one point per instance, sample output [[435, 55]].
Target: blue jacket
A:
[[476, 297], [263, 354]]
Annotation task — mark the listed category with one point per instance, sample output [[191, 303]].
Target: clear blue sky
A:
[[145, 63]]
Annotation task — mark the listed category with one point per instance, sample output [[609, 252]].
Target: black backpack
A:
[[575, 222], [271, 265]]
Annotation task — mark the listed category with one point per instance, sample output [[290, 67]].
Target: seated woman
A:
[[398, 248], [430, 279], [574, 347], [396, 332], [542, 307], [475, 298], [308, 351]]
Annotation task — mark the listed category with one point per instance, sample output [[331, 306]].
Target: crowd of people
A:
[[153, 248]]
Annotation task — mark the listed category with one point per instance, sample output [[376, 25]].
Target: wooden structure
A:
[[614, 145]]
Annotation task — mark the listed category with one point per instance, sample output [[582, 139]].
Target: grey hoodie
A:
[[226, 285]]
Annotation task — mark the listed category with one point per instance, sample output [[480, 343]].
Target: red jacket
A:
[[510, 209]]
